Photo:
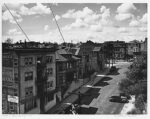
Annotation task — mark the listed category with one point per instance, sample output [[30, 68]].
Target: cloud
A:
[[125, 11], [86, 17], [121, 17], [23, 10], [126, 8], [69, 14], [144, 18], [96, 28], [7, 16], [40, 9], [143, 29], [78, 14], [46, 27], [14, 32], [134, 23], [122, 30], [105, 16], [57, 17]]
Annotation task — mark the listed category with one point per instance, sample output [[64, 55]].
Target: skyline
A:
[[78, 22]]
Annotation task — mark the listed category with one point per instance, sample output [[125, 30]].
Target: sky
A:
[[79, 22]]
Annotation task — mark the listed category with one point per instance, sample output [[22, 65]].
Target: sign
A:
[[14, 99]]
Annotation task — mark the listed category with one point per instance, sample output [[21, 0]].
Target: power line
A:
[[17, 22], [56, 23]]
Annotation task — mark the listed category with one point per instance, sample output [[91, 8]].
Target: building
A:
[[91, 58], [115, 50], [133, 47], [23, 71], [144, 46], [98, 63], [67, 69]]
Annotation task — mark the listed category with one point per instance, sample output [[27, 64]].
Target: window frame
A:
[[29, 76]]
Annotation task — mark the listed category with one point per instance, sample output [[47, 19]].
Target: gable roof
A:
[[60, 57]]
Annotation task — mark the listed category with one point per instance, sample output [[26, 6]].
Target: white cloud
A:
[[46, 27], [78, 14], [14, 32], [57, 17], [86, 17], [105, 16], [121, 17], [134, 23], [122, 30], [96, 28], [37, 9], [40, 9], [143, 29], [7, 16], [69, 14], [102, 9], [144, 18], [108, 34], [79, 24], [125, 11], [126, 8], [93, 19]]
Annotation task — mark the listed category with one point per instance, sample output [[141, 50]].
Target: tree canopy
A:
[[136, 82]]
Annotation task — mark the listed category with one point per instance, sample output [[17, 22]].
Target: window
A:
[[50, 84], [16, 77], [28, 60], [50, 97], [49, 71], [15, 62], [30, 104], [15, 92], [60, 67], [49, 59], [28, 76], [29, 91], [67, 65], [11, 106]]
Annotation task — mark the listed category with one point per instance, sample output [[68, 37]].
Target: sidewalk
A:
[[73, 97]]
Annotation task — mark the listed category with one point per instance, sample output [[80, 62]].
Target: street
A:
[[103, 90], [95, 95]]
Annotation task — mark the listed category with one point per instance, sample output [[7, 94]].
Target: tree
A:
[[9, 41], [136, 82]]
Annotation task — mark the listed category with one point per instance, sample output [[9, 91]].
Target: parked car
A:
[[119, 99], [125, 95], [131, 60], [113, 69]]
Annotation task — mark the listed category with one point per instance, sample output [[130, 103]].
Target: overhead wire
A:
[[17, 22], [56, 22]]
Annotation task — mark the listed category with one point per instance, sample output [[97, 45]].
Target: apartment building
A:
[[20, 80], [67, 69]]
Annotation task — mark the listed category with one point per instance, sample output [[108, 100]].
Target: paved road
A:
[[97, 101], [106, 88]]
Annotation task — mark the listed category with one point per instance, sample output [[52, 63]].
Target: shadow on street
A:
[[114, 72], [90, 110]]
